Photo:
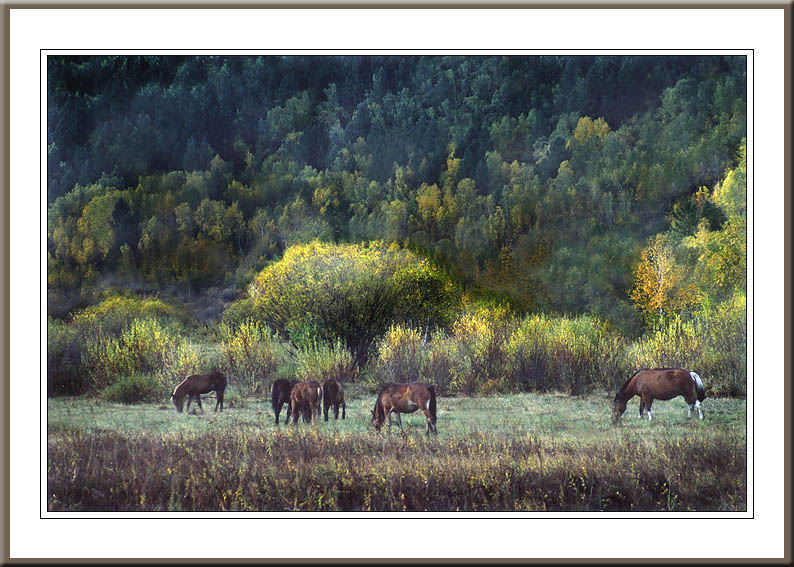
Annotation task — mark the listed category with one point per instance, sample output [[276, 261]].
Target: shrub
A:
[[131, 389], [725, 357], [239, 312], [320, 361], [251, 355], [110, 339], [399, 355], [116, 313], [405, 354], [440, 360], [146, 347], [63, 359], [564, 354], [350, 292], [480, 337], [712, 343]]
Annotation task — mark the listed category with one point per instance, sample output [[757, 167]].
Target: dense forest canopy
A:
[[565, 185]]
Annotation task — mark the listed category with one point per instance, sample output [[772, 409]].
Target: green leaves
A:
[[349, 292]]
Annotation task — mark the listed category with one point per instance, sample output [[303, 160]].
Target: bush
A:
[[440, 361], [350, 292], [320, 361], [564, 354], [119, 336], [405, 354], [116, 313], [63, 359], [712, 343], [480, 337], [132, 389], [399, 356], [146, 347], [251, 354], [488, 350], [239, 312]]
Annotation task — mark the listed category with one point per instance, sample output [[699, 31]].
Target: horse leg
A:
[[428, 422], [277, 411], [650, 413], [343, 410], [198, 401], [219, 403], [700, 410]]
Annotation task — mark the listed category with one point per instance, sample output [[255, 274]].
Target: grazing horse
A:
[[661, 384], [194, 386], [279, 395], [333, 396], [405, 398], [305, 401]]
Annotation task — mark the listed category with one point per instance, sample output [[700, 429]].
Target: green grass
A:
[[520, 452]]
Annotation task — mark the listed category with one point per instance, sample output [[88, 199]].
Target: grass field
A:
[[519, 452]]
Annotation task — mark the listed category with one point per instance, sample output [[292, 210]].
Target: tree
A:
[[660, 284]]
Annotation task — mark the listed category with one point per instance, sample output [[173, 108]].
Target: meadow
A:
[[519, 452]]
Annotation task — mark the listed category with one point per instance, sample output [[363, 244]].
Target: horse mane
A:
[[377, 410], [625, 385]]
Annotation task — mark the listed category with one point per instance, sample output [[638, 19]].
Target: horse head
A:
[[178, 402], [618, 407], [377, 421]]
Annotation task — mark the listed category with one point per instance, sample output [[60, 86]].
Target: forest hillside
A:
[[500, 204]]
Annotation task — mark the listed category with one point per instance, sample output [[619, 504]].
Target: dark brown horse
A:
[[333, 397], [661, 384], [194, 386], [279, 395], [405, 398], [305, 401]]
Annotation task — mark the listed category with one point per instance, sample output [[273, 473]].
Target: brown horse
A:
[[405, 398], [333, 396], [279, 395], [194, 386], [661, 384], [305, 401]]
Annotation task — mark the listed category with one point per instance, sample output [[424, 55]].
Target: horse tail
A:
[[274, 395], [701, 390]]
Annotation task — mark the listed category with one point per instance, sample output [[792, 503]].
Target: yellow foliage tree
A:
[[660, 284]]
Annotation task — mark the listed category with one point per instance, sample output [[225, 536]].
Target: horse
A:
[[405, 398], [305, 400], [333, 396], [197, 384], [279, 395], [661, 384]]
